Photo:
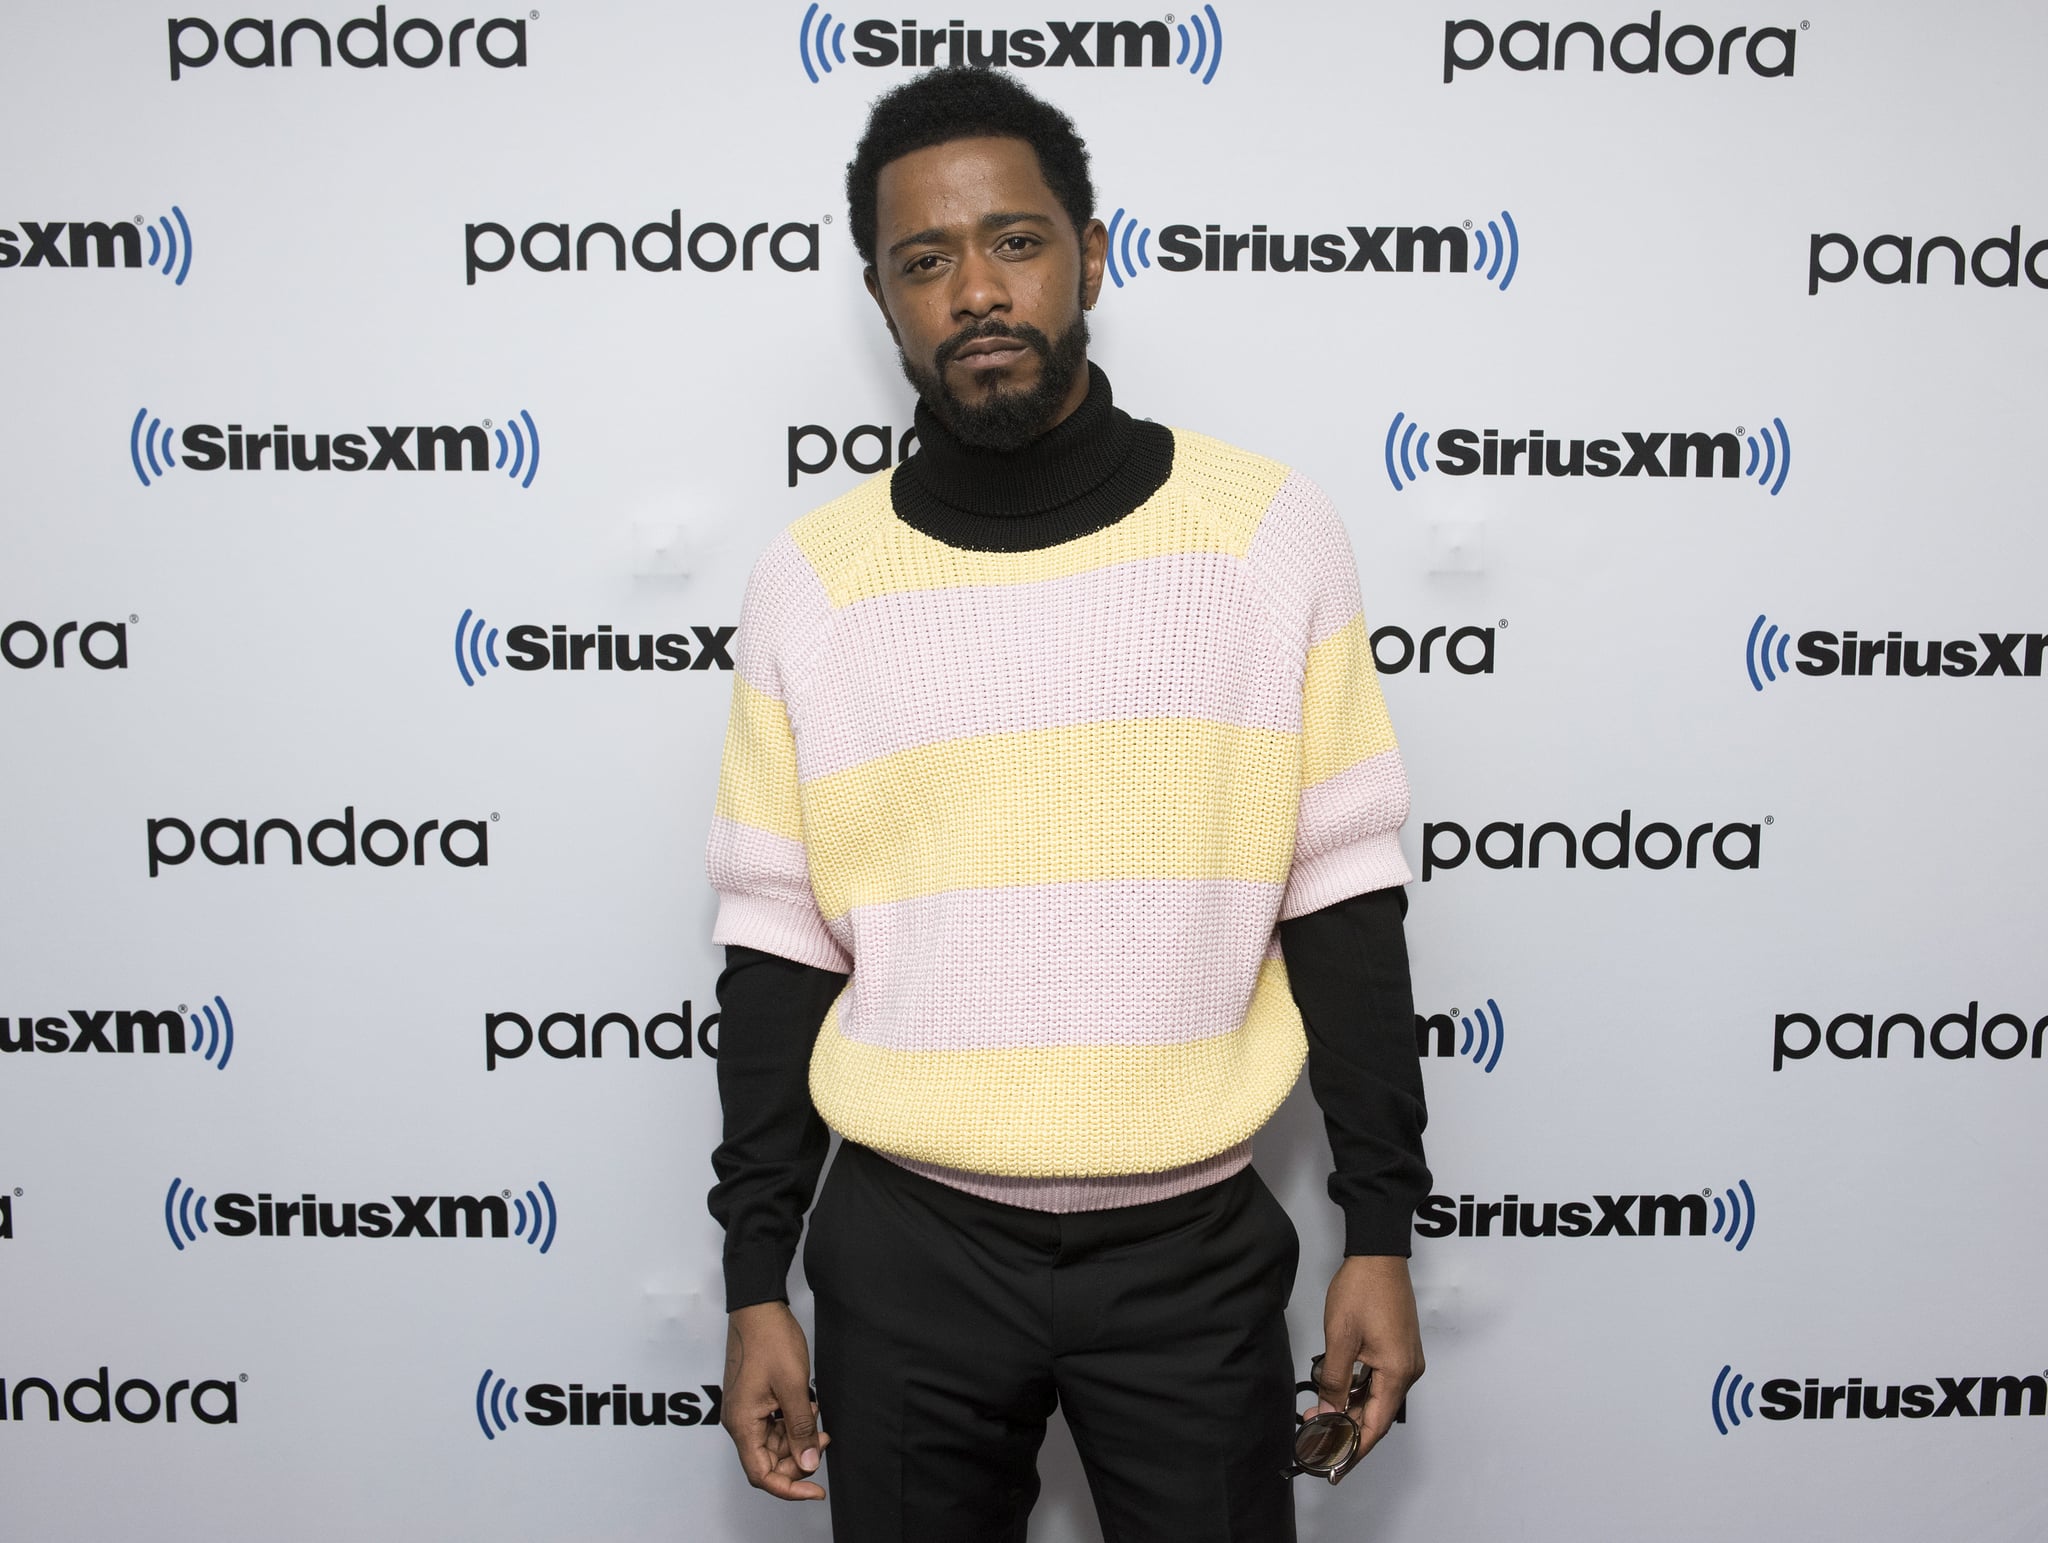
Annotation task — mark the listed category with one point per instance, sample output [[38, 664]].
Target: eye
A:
[[928, 263], [1016, 242]]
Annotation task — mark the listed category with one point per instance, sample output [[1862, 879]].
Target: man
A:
[[1057, 826]]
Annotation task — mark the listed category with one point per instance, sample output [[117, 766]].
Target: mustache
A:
[[994, 327]]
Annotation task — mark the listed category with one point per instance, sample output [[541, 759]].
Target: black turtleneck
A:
[[1347, 963], [1086, 472]]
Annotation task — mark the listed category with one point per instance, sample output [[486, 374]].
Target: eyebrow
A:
[[988, 222]]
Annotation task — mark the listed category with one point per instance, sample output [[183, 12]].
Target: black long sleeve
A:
[[1348, 966], [774, 1143]]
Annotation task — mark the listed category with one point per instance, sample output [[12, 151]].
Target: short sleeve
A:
[[755, 855], [1354, 789]]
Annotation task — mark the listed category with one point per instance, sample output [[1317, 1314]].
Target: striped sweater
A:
[[1047, 808]]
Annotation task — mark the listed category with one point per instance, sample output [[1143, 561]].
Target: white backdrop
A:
[[283, 645]]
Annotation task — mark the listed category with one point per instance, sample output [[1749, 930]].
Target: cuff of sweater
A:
[[756, 1274], [1375, 1227], [778, 927], [1357, 868]]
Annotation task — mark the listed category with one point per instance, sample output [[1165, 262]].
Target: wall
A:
[[1684, 254]]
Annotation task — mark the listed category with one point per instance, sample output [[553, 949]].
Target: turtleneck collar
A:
[[1086, 472]]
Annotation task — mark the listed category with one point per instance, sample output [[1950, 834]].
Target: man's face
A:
[[982, 278]]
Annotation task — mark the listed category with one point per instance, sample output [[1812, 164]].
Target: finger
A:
[[777, 1475], [1382, 1403], [787, 1486], [790, 1460], [770, 1462], [781, 1449], [772, 1467]]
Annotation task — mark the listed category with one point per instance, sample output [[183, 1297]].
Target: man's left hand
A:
[[1369, 1315]]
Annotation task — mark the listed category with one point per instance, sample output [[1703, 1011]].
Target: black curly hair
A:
[[963, 102]]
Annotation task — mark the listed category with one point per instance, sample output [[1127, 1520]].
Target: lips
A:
[[990, 353]]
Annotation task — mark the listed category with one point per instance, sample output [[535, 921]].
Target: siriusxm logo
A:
[[1827, 653], [575, 1037], [1674, 453], [1493, 251], [1860, 1036], [1731, 1401], [657, 247], [101, 644], [530, 1218], [1526, 45], [404, 448], [531, 646], [1618, 1216], [137, 1401], [100, 244], [1900, 266], [364, 43], [550, 1403], [227, 843], [888, 449], [145, 1032], [1195, 44], [1657, 845], [1486, 1034]]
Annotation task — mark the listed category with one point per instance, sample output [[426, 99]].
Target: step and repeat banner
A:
[[396, 399]]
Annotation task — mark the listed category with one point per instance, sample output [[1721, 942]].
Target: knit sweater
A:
[[1101, 772]]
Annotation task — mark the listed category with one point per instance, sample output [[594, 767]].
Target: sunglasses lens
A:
[[1325, 1442]]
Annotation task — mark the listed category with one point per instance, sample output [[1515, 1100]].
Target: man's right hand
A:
[[768, 1370]]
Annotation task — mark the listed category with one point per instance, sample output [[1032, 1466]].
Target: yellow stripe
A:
[[1212, 503], [832, 534], [1343, 716], [901, 558], [1067, 1110], [757, 778], [1131, 798], [1234, 486]]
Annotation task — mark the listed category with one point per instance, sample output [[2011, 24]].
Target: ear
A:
[[1094, 253], [874, 285]]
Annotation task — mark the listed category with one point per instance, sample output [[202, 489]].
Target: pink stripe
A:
[[1110, 962], [784, 605], [765, 898], [1347, 836], [1090, 1193], [1302, 554], [1373, 863], [1359, 801], [1185, 635], [741, 857], [777, 928]]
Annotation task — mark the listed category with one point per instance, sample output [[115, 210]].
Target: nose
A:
[[979, 290]]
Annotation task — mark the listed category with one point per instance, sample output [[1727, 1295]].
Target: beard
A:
[[996, 417]]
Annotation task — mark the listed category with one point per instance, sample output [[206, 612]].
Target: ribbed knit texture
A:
[[1084, 473], [1048, 808]]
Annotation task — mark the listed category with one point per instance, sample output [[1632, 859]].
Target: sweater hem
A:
[[1086, 1192]]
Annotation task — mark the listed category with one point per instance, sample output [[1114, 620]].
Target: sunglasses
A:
[[1327, 1445]]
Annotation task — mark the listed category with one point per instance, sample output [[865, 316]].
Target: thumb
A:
[[799, 1417], [1334, 1372]]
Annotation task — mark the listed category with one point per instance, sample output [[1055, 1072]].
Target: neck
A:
[[1075, 455], [1088, 470]]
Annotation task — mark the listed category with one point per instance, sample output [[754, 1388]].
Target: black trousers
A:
[[949, 1326]]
